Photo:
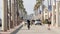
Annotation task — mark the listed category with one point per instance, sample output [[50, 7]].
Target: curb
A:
[[14, 30]]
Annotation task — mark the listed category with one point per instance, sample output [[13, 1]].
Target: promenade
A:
[[0, 28], [37, 29]]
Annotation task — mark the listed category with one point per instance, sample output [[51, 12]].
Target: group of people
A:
[[48, 22]]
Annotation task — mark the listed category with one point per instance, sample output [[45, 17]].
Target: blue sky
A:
[[28, 4]]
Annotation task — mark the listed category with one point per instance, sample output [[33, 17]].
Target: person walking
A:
[[23, 22], [28, 24], [49, 23]]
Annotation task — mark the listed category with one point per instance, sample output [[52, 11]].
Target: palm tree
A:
[[21, 7], [38, 4]]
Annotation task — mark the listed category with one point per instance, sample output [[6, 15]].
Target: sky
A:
[[0, 8], [28, 4], [45, 3]]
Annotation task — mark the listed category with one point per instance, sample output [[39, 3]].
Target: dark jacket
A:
[[28, 22]]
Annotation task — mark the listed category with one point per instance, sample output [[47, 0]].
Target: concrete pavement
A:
[[37, 29], [0, 28]]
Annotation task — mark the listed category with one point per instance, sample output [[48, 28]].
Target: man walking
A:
[[28, 24]]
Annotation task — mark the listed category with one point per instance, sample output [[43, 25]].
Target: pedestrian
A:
[[28, 24], [23, 22], [49, 23]]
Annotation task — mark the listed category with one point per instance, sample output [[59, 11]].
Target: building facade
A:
[[46, 13]]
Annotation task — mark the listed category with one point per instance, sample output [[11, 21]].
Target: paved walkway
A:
[[36, 30], [0, 28]]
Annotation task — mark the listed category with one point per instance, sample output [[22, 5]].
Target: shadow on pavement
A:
[[17, 30]]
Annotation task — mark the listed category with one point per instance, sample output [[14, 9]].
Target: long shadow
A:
[[14, 32]]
